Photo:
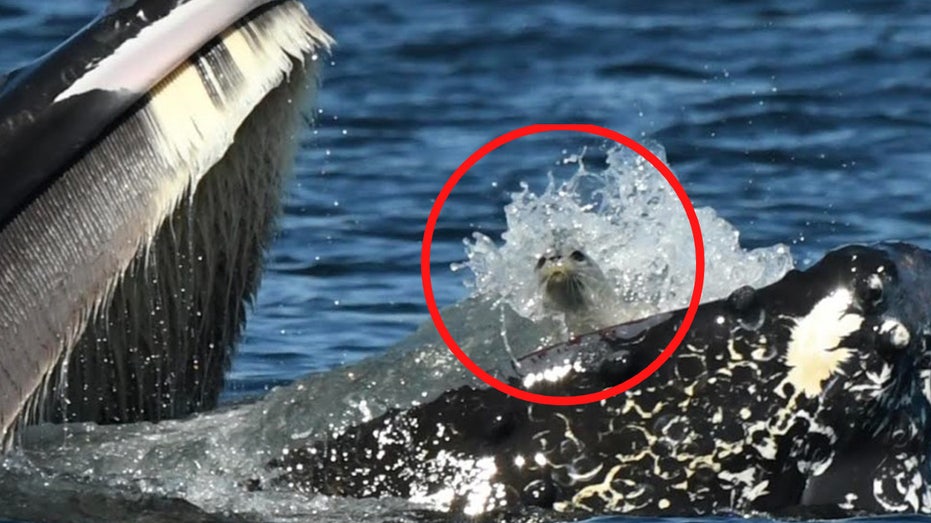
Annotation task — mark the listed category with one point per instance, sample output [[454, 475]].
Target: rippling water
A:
[[806, 123], [800, 122]]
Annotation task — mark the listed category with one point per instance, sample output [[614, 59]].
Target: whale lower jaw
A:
[[124, 282], [809, 397]]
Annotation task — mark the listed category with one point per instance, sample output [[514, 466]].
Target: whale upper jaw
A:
[[142, 163], [53, 109]]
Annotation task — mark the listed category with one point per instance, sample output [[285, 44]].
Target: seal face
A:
[[573, 285], [806, 397]]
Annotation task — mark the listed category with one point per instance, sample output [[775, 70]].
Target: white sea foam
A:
[[629, 220]]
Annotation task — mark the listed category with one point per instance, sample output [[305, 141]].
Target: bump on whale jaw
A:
[[808, 397], [125, 278]]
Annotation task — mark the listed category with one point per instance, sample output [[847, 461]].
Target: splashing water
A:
[[629, 221]]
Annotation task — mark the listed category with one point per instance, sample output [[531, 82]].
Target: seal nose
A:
[[556, 271]]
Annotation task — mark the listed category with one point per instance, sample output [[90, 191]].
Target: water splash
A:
[[628, 220]]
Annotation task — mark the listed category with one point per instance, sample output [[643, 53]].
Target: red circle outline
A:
[[428, 283]]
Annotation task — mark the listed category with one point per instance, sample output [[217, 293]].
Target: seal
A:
[[808, 397], [142, 163], [573, 285]]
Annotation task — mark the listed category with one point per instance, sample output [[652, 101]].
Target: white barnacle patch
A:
[[896, 333], [766, 448], [814, 352], [732, 351], [849, 499], [901, 488], [758, 490], [717, 417]]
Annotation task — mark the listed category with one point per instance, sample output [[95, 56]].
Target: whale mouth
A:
[[139, 195], [51, 119]]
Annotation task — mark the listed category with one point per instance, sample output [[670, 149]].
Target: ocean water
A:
[[801, 123], [805, 124]]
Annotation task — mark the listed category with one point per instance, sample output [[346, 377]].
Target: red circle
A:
[[544, 398]]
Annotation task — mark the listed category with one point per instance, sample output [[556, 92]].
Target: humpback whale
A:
[[142, 162], [806, 397]]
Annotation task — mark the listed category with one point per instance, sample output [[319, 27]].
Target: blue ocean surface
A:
[[800, 122]]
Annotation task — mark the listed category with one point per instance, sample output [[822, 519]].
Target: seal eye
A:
[[577, 256], [541, 261]]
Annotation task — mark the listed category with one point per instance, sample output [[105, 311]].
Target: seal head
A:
[[573, 285]]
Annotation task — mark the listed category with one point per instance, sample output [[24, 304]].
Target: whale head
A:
[[142, 162]]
